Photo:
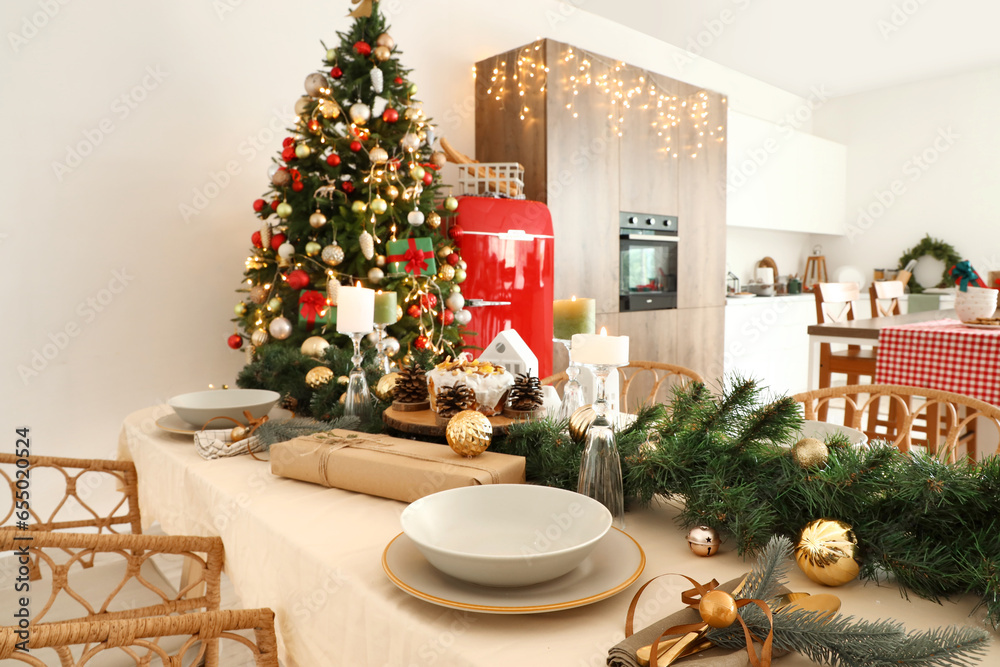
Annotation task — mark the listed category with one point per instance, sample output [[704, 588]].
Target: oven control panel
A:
[[647, 223]]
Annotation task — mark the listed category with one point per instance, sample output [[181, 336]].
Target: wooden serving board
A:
[[424, 422]]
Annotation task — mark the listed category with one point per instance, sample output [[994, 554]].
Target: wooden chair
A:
[[134, 639], [643, 382], [942, 411], [835, 304], [885, 297]]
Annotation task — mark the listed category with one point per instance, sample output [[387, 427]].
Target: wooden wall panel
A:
[[652, 334], [649, 166], [700, 340]]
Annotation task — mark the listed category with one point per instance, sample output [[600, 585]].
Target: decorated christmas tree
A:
[[355, 198]]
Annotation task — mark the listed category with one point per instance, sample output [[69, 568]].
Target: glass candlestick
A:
[[600, 467], [359, 401], [382, 359], [572, 398]]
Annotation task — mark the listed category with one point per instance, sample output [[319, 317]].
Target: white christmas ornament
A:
[[377, 80], [360, 113], [463, 317], [415, 218], [315, 84], [455, 302], [379, 106], [286, 250], [280, 328], [378, 155], [375, 275], [367, 244], [410, 142]]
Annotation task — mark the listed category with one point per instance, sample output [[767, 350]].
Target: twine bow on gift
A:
[[963, 273], [248, 430], [415, 259], [718, 609]]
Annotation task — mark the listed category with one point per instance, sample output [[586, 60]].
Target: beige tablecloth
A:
[[313, 555]]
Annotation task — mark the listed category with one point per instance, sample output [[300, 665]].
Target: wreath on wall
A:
[[937, 249]]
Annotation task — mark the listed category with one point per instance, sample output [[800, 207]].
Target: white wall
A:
[[129, 300], [922, 158]]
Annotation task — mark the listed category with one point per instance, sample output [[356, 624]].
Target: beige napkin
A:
[[623, 653]]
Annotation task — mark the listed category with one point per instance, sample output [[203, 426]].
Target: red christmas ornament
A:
[[390, 115], [336, 72], [362, 48], [259, 204], [355, 146], [288, 154], [348, 187], [333, 159], [428, 300], [235, 341], [414, 311], [274, 205], [288, 142], [453, 258], [428, 177], [277, 240], [296, 174], [314, 125], [421, 343], [455, 233], [298, 279], [255, 239], [297, 186], [398, 80], [446, 316]]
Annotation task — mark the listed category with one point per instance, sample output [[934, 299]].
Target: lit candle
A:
[[573, 316], [600, 349], [385, 307], [355, 309]]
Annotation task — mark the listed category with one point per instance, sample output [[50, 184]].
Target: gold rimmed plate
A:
[[613, 566]]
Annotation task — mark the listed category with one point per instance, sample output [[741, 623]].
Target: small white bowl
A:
[[506, 534], [822, 430], [199, 407], [973, 309]]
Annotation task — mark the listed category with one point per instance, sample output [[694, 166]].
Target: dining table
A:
[[315, 555]]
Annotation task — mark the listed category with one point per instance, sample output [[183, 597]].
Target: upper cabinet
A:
[[780, 178]]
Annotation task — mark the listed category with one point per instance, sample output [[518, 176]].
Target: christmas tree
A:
[[353, 200]]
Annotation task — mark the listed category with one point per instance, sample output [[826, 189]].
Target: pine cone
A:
[[411, 386], [289, 402], [454, 399], [526, 394]]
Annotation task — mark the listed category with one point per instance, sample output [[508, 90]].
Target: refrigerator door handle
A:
[[476, 303]]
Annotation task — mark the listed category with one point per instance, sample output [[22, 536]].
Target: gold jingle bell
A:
[[826, 552], [580, 421], [704, 541], [469, 433], [385, 386], [319, 376]]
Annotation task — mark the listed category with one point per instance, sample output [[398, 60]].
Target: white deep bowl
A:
[[975, 303], [506, 534], [821, 430], [198, 407]]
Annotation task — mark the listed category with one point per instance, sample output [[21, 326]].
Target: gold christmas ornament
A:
[[380, 261], [717, 609], [328, 108], [381, 53], [580, 421], [826, 552], [810, 453], [379, 155], [446, 272], [238, 433], [433, 220], [469, 433], [317, 219], [318, 377], [444, 251], [314, 346], [386, 40], [704, 541], [385, 386], [333, 254], [258, 294], [259, 337], [439, 159]]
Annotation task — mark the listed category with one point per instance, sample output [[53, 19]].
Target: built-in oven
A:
[[648, 267]]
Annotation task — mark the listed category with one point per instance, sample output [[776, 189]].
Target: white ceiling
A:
[[848, 46]]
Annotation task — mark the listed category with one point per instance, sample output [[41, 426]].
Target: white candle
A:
[[355, 309], [600, 348]]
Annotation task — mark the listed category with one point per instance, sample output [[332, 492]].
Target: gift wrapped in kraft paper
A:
[[379, 465]]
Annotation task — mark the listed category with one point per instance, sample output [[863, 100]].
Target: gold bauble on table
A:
[[385, 386], [314, 346], [704, 540], [238, 433], [469, 433], [717, 608], [580, 421], [446, 272], [318, 377], [810, 453], [826, 552]]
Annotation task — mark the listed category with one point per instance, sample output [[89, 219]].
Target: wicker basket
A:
[[491, 179]]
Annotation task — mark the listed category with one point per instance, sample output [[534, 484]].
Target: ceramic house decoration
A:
[[509, 350]]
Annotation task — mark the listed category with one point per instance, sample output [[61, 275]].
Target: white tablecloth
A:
[[313, 555]]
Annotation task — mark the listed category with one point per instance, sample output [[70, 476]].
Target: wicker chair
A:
[[951, 418], [132, 637], [643, 382]]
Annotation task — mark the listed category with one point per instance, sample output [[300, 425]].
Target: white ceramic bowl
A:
[[821, 430], [975, 303], [506, 534], [198, 407]]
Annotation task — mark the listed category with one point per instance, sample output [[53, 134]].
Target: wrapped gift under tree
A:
[[314, 311], [414, 256]]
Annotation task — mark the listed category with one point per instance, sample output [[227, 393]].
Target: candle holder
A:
[[572, 398], [600, 467], [382, 359], [359, 400]]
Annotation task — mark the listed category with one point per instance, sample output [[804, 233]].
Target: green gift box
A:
[[413, 255], [314, 310]]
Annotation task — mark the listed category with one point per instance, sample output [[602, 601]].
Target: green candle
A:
[[385, 307], [572, 316]]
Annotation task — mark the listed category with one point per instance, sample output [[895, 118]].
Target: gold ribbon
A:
[[692, 598], [364, 8], [252, 423]]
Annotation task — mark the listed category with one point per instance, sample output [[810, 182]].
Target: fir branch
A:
[[770, 571], [274, 431]]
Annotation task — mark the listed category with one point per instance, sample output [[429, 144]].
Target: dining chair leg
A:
[[933, 429]]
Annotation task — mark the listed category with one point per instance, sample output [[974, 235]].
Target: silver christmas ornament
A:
[[367, 244], [333, 254], [463, 317], [415, 218], [375, 275], [360, 113], [391, 346], [410, 142], [704, 540], [455, 302], [280, 328], [316, 84], [286, 250]]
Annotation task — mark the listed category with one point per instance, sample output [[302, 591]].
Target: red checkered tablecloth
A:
[[944, 355]]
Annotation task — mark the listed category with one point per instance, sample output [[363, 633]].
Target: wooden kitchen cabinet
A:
[[588, 157]]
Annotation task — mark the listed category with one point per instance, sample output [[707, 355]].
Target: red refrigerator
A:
[[508, 247]]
